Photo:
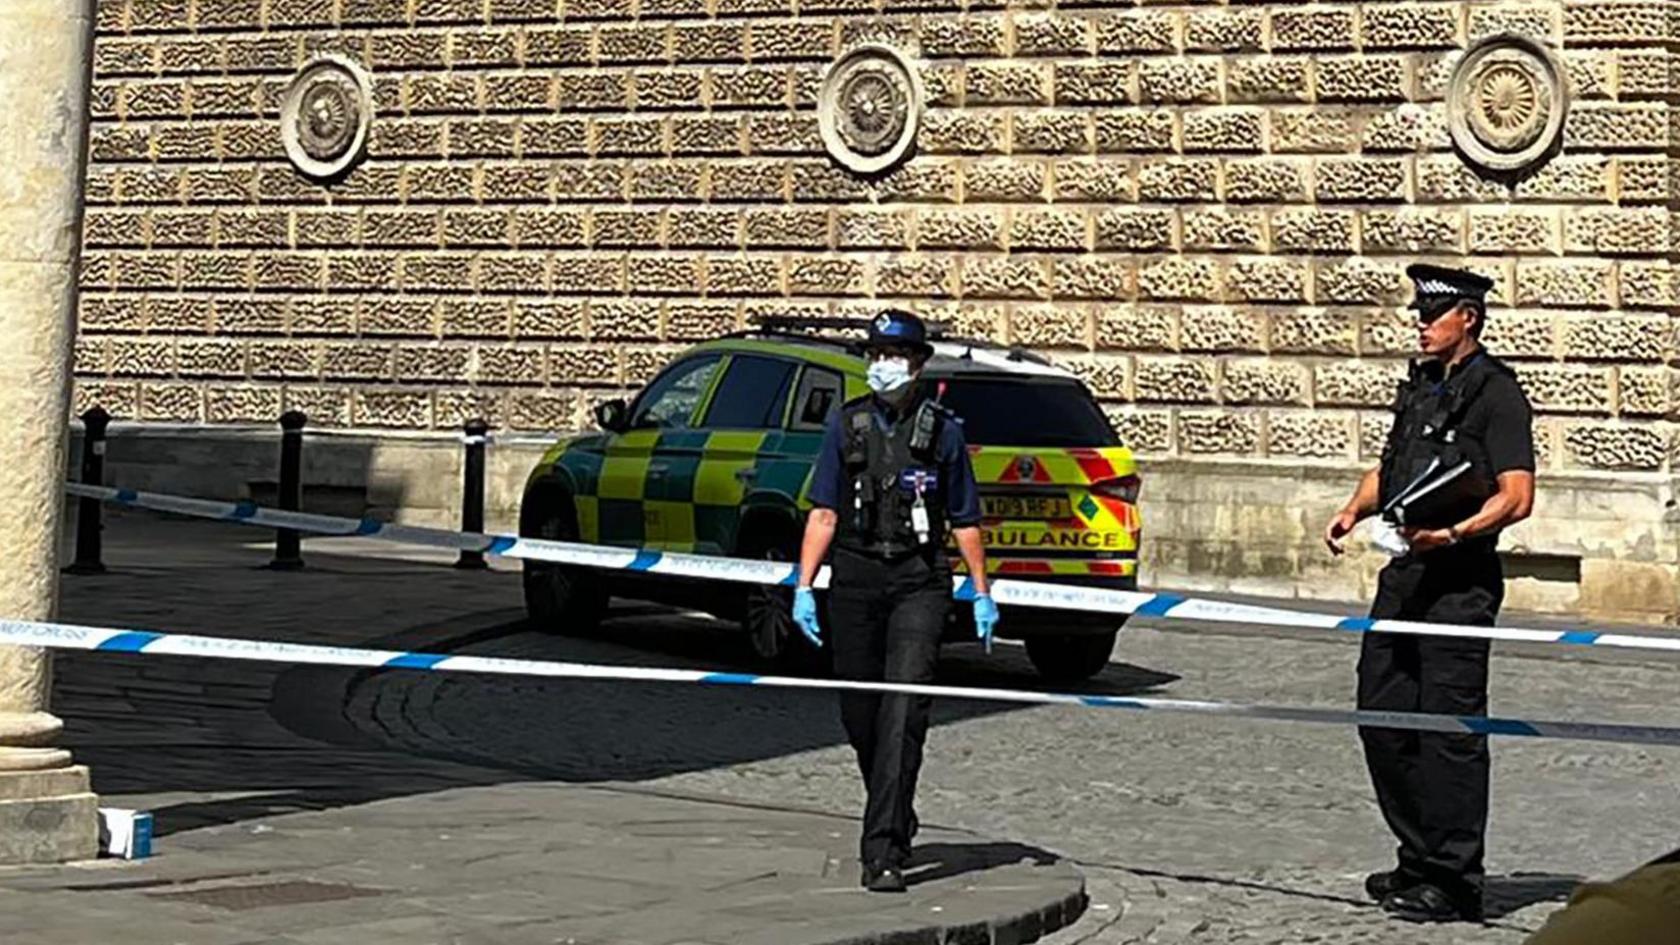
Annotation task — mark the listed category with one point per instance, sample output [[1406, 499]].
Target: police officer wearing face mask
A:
[[1458, 467], [893, 474]]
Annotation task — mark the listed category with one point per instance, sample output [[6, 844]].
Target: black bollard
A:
[[287, 551], [89, 528], [472, 494]]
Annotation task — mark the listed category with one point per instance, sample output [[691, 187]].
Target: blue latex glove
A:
[[805, 614], [985, 619]]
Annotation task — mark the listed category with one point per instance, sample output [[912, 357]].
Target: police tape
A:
[[1007, 591], [61, 636]]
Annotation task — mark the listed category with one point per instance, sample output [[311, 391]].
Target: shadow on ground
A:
[[936, 861], [213, 742], [604, 730], [1504, 895]]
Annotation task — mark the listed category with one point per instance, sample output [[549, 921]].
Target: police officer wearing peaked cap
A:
[[1458, 466], [892, 476]]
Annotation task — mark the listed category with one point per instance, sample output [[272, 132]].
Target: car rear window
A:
[[1010, 412]]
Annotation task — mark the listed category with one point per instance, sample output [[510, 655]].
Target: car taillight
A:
[[1124, 488]]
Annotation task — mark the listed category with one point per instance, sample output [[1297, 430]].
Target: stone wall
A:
[[1204, 208], [1601, 544]]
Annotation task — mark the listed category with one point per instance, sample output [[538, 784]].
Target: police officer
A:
[[892, 475], [1459, 404]]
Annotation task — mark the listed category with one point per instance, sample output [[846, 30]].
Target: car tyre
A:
[[1067, 658], [767, 614], [562, 599]]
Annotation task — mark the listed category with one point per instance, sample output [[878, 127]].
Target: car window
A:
[[819, 395], [670, 400], [1013, 412], [753, 393]]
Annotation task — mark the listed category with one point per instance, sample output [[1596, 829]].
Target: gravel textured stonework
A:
[[1230, 180]]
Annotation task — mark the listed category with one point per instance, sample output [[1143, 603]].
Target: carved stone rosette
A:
[[870, 108], [1506, 103], [325, 115]]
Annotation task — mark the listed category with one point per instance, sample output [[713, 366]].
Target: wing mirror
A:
[[612, 416]]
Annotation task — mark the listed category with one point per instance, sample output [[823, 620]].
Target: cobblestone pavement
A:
[[1189, 830]]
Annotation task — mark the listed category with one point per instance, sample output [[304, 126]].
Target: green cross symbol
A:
[[1088, 507]]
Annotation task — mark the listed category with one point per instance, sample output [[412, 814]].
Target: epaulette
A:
[[855, 416]]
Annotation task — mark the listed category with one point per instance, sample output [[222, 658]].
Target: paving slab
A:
[[402, 867], [287, 814]]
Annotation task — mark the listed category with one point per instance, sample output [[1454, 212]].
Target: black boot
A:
[[1380, 886], [883, 877], [1426, 903]]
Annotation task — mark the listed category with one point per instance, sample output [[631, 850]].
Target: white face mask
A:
[[888, 375]]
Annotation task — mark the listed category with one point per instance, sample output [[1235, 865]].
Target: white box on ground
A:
[[125, 833]]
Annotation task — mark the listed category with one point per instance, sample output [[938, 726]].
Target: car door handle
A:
[[658, 469], [746, 474]]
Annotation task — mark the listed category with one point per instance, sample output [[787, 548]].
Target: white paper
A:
[[1388, 539], [125, 833]]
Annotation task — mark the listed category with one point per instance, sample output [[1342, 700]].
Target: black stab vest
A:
[[881, 469], [1428, 413]]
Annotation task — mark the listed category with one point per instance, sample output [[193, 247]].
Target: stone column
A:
[[47, 811]]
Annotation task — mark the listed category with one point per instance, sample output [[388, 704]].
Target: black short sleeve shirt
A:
[[1501, 419]]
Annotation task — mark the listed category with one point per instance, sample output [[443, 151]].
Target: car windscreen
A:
[[1026, 412]]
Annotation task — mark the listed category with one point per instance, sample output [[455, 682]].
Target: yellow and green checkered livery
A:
[[714, 456], [687, 486]]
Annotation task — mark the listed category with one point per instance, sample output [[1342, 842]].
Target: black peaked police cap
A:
[[1436, 289]]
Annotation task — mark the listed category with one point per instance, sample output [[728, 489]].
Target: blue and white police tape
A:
[[1006, 591], [115, 640]]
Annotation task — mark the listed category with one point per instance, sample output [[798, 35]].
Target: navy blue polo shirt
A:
[[962, 495]]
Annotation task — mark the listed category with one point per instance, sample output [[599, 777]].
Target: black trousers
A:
[[1433, 787], [887, 618]]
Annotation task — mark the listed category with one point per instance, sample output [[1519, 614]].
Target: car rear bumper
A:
[[1017, 621]]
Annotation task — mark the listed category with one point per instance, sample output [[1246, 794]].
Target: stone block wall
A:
[[1204, 208]]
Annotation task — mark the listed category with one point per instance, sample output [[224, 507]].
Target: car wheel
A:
[[1070, 658], [767, 615], [561, 598]]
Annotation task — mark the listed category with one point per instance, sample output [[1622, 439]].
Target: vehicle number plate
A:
[[1018, 506]]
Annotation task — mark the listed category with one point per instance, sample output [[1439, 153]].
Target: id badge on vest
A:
[[918, 481]]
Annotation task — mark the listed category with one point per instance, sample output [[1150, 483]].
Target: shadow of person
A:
[[936, 861], [1503, 895]]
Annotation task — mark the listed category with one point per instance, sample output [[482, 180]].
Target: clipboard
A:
[[1437, 496]]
